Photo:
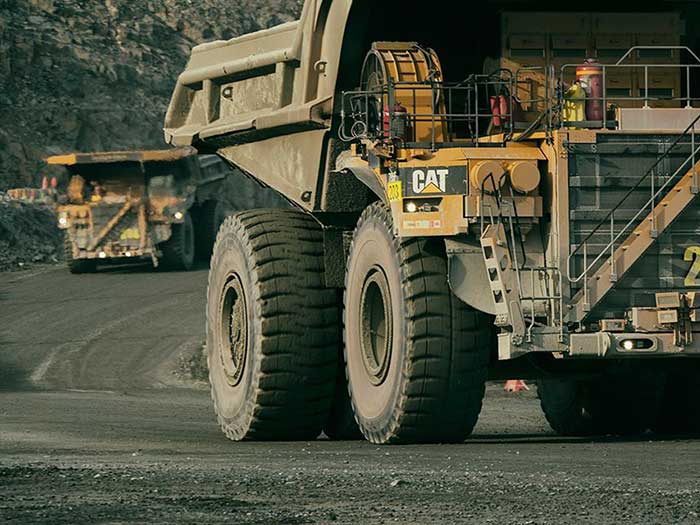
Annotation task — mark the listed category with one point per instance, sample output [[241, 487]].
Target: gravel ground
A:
[[99, 425]]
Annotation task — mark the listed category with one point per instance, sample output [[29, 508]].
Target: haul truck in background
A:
[[164, 205], [537, 219]]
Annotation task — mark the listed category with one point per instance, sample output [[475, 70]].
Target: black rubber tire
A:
[[77, 266], [616, 403], [437, 348], [341, 424], [178, 252], [566, 404], [210, 217], [287, 339], [679, 412]]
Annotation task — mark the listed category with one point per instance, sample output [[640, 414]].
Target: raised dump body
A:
[[536, 220], [134, 204]]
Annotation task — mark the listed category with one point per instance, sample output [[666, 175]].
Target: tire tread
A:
[[441, 391], [298, 351]]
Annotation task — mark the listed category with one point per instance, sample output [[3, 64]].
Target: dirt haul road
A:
[[100, 423]]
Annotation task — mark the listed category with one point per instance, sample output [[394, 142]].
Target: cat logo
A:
[[430, 181]]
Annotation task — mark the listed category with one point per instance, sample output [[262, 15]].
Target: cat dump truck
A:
[[452, 224], [161, 205]]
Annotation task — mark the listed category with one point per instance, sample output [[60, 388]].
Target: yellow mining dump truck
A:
[[453, 224], [163, 205]]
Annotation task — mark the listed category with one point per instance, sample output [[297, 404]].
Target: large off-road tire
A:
[[618, 403], [679, 412], [210, 217], [341, 424], [416, 357], [77, 266], [177, 253], [272, 327]]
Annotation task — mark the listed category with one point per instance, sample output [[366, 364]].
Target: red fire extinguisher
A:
[[397, 127], [590, 76], [499, 110]]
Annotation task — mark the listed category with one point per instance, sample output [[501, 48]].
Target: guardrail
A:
[[431, 114], [645, 94]]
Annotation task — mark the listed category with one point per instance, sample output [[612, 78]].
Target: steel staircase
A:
[[628, 244]]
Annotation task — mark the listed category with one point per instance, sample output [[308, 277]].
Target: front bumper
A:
[[601, 345], [109, 253]]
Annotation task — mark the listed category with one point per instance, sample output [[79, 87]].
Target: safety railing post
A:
[[561, 307], [605, 105], [476, 111], [432, 115], [586, 298], [646, 86], [391, 97], [652, 204], [613, 274], [687, 87], [450, 125], [513, 90]]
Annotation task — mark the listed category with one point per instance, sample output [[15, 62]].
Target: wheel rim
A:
[[233, 348], [376, 325]]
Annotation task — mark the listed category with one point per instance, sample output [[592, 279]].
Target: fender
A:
[[363, 173], [467, 276]]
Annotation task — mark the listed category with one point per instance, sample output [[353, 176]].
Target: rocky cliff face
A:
[[79, 75]]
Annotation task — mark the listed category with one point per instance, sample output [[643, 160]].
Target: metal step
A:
[[503, 280]]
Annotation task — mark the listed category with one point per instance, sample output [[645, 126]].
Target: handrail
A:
[[634, 48], [474, 93], [644, 89], [609, 218]]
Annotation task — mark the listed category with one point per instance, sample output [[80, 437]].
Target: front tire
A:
[[416, 357], [272, 327], [177, 253], [77, 266]]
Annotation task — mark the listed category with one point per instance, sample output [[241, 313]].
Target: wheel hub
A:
[[234, 321], [376, 325]]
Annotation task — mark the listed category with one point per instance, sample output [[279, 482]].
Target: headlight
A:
[[638, 344], [179, 215], [422, 205], [63, 220]]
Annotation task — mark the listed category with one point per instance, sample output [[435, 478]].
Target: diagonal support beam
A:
[[111, 224]]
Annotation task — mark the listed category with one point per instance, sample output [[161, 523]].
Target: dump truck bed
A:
[[111, 157]]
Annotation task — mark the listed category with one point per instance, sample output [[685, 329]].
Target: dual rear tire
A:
[[624, 402], [272, 327], [415, 357], [618, 402]]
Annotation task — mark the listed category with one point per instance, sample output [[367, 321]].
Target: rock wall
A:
[[28, 235], [80, 75]]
